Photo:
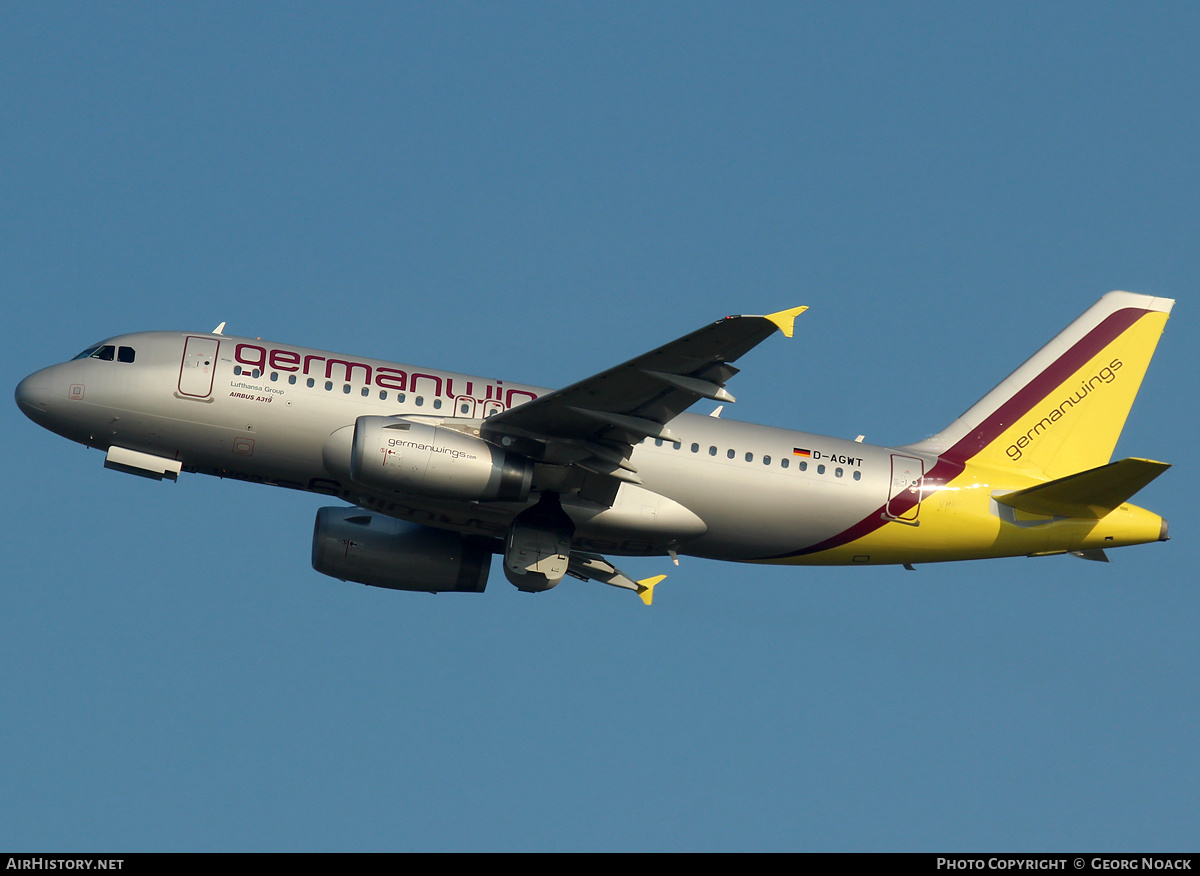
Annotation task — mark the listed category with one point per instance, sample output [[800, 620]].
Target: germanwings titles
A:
[[443, 470]]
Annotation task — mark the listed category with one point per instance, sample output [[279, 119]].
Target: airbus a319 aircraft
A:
[[443, 470]]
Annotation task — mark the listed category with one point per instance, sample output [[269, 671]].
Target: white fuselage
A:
[[305, 419], [264, 413]]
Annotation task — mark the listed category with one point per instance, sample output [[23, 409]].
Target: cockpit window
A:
[[88, 352], [107, 352]]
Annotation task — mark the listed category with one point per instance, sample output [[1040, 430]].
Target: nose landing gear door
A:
[[197, 368]]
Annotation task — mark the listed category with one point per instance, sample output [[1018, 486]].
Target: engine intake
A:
[[357, 545]]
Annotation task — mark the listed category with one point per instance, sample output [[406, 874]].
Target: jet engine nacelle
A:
[[390, 453], [357, 545]]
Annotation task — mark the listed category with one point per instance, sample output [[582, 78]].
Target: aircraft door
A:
[[491, 407], [904, 493], [198, 367], [464, 406]]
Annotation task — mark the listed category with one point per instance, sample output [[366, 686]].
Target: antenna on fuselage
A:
[[219, 329]]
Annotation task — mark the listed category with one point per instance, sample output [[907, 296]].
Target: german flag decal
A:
[[800, 451]]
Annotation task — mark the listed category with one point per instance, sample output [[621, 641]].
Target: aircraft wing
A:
[[596, 422], [587, 567]]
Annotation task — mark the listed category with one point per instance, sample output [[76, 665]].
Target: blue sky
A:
[[537, 191]]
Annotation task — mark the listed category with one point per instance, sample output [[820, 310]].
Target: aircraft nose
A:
[[33, 395]]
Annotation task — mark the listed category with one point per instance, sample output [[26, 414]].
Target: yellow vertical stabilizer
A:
[[1062, 411]]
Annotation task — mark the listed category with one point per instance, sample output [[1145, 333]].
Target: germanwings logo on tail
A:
[[1105, 375], [1062, 410]]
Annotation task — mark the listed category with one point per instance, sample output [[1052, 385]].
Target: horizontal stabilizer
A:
[[1089, 494]]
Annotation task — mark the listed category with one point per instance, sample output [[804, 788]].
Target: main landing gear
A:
[[537, 550]]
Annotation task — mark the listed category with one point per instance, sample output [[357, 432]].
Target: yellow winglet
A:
[[785, 319], [645, 587]]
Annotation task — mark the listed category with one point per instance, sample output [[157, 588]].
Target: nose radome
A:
[[32, 395]]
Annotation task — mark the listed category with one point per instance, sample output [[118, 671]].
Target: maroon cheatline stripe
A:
[[951, 463], [1032, 393], [943, 471]]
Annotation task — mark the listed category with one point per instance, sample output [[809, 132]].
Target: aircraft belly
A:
[[638, 512]]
